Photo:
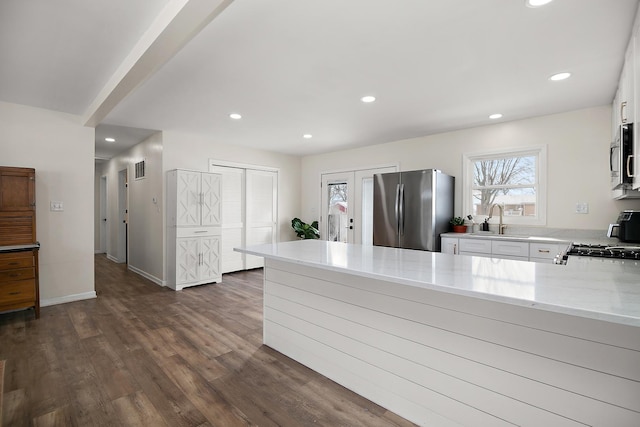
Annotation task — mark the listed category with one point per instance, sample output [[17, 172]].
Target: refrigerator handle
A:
[[397, 206], [402, 209]]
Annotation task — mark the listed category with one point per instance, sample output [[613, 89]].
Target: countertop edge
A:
[[556, 308]]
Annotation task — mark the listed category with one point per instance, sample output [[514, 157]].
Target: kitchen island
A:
[[448, 340]]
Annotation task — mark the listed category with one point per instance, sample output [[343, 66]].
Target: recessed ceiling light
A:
[[110, 139], [560, 76], [235, 116], [495, 116], [368, 98], [537, 3], [307, 136]]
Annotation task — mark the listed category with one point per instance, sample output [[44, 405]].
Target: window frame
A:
[[540, 184]]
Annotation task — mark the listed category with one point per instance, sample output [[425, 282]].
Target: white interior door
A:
[[261, 211], [103, 214], [337, 219], [233, 206]]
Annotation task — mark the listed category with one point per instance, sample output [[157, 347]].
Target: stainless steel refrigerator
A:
[[411, 209]]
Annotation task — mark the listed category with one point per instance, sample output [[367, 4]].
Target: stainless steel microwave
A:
[[621, 158]]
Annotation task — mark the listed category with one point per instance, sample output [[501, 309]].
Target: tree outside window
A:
[[511, 179]]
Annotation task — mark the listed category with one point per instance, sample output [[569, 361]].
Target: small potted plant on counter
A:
[[458, 225]]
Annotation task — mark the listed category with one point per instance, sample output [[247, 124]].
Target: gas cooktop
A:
[[604, 251]]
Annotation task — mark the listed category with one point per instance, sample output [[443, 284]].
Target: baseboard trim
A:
[[67, 298], [148, 276], [114, 259]]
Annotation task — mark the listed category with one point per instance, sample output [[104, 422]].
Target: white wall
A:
[[61, 150], [146, 243], [578, 169], [190, 151]]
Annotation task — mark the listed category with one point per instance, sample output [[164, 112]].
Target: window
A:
[[514, 179]]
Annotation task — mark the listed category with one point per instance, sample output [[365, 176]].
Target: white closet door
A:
[[262, 203], [188, 195], [211, 206], [232, 217]]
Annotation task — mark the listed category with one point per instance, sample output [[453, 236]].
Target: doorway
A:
[[123, 217], [103, 215], [347, 205]]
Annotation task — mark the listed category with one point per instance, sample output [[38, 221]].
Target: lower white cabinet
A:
[[449, 245], [544, 252], [498, 247], [194, 259]]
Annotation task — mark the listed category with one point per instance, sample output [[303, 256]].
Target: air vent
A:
[[140, 170]]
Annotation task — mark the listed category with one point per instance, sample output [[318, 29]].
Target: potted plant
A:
[[458, 224], [305, 231]]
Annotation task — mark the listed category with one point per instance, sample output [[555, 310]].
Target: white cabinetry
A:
[[544, 252], [449, 245], [193, 229], [501, 247], [510, 250], [476, 247]]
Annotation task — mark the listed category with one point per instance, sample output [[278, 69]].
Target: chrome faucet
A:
[[501, 226]]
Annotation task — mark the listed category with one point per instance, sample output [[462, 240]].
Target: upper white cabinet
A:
[[197, 198]]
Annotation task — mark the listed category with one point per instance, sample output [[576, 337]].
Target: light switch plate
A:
[[582, 208], [56, 206]]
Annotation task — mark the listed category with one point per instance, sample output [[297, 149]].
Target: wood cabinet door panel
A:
[[17, 228], [17, 189]]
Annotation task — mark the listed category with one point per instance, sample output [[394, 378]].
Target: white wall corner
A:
[[148, 276]]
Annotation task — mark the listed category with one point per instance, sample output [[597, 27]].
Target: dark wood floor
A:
[[143, 355]]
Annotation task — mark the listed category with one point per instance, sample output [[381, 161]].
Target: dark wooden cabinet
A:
[[18, 245], [19, 279], [17, 189]]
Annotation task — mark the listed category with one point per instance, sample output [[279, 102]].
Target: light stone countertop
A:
[[609, 292]]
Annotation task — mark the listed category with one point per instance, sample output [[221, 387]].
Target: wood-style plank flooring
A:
[[143, 355]]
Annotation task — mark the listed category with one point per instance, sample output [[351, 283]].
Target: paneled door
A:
[[232, 216], [249, 212], [262, 211]]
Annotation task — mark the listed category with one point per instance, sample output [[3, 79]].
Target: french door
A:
[[347, 205]]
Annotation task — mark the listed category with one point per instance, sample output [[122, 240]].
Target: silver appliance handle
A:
[[402, 209], [629, 174], [398, 208]]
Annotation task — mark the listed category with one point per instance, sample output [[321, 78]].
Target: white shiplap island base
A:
[[446, 340]]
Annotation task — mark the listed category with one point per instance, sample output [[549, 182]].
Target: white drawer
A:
[[544, 250], [518, 249], [481, 246], [197, 231]]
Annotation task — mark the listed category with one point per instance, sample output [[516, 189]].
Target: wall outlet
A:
[[582, 208], [56, 206]]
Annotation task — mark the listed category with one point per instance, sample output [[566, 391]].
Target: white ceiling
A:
[[297, 66]]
